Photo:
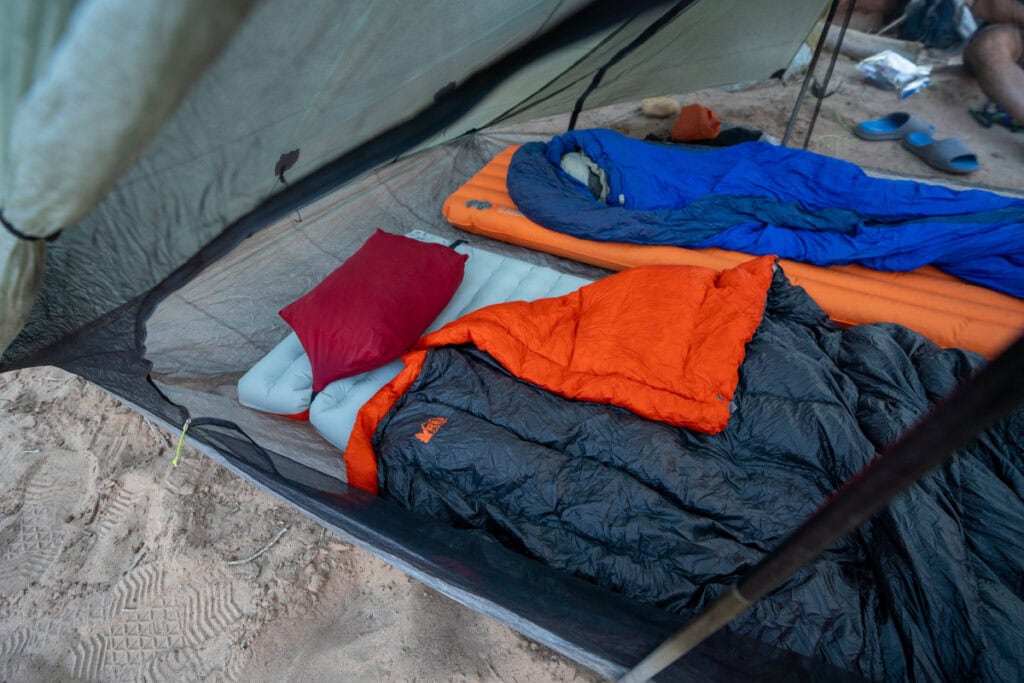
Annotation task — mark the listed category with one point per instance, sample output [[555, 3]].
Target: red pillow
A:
[[374, 306]]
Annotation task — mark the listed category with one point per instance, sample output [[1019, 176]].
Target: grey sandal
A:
[[894, 126], [949, 155]]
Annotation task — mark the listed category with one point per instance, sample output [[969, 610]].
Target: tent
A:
[[194, 152]]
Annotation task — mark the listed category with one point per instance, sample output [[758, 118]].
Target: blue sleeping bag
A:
[[763, 199]]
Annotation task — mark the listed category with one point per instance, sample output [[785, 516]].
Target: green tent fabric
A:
[[323, 78], [79, 111]]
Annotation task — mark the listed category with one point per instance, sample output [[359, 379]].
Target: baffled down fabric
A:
[[762, 199], [930, 589], [665, 342]]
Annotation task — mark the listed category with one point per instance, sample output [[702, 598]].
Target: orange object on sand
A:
[[696, 122], [947, 310], [664, 342]]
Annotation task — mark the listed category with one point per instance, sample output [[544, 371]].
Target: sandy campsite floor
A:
[[116, 566]]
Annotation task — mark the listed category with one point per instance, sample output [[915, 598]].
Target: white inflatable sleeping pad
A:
[[282, 381]]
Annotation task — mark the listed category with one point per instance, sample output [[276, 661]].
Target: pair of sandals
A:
[[949, 155]]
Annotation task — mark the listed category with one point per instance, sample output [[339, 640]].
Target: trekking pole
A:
[[973, 407], [810, 71], [820, 96]]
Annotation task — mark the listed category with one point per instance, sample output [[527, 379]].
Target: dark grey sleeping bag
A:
[[930, 589]]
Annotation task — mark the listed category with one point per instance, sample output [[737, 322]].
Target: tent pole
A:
[[973, 407]]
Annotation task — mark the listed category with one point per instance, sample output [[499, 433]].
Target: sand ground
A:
[[117, 566], [114, 565]]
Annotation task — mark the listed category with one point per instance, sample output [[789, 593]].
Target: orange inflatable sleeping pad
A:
[[947, 310]]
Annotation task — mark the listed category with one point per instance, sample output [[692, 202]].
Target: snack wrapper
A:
[[893, 71]]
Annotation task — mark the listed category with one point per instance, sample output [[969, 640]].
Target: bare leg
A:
[[994, 56], [998, 11]]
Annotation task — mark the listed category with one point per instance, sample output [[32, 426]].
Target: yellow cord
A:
[[181, 440]]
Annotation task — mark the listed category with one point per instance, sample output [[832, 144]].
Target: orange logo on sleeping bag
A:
[[429, 428]]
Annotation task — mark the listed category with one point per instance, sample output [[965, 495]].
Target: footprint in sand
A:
[[32, 538], [126, 521], [157, 622]]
